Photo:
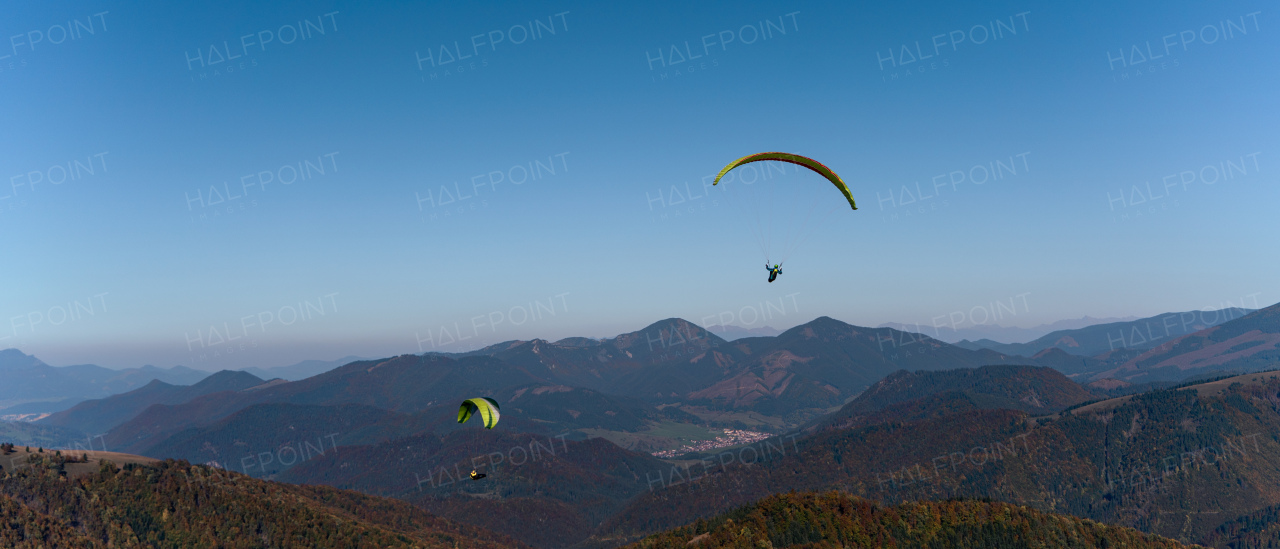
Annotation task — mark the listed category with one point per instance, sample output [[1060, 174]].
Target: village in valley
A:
[[731, 437]]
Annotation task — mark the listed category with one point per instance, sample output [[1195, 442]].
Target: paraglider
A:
[[779, 214], [774, 271], [487, 407], [794, 159], [488, 410]]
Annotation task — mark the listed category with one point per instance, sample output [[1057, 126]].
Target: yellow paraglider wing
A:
[[794, 159], [487, 408]]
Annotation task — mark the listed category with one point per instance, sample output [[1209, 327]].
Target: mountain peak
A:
[[1051, 352], [829, 323], [228, 378], [13, 359], [665, 333], [820, 327], [577, 342]]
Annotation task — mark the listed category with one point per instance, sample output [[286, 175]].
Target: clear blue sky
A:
[[170, 171]]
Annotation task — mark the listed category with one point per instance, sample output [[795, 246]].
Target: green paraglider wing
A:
[[794, 159], [487, 408]]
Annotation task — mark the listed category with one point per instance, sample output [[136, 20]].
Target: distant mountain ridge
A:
[[1245, 344], [99, 416], [731, 333], [998, 333], [29, 380], [302, 370], [1140, 334]]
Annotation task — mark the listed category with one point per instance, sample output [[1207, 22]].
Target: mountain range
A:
[[997, 333], [882, 414], [301, 370], [98, 416], [38, 387], [1105, 337], [695, 377]]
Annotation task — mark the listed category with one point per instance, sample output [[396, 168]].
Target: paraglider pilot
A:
[[774, 271]]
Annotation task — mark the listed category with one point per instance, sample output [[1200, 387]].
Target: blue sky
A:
[[240, 184]]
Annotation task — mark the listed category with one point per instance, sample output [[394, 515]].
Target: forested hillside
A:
[[1180, 463], [838, 520], [173, 504]]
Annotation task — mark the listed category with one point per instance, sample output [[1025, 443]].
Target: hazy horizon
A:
[[289, 356]]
